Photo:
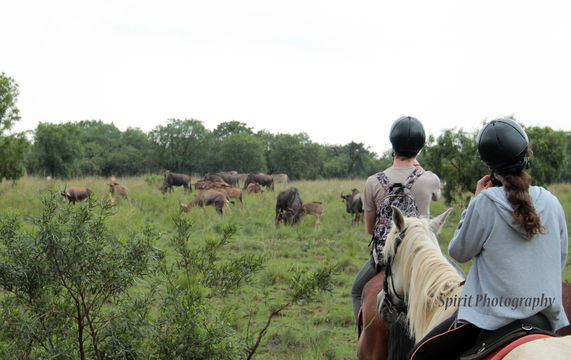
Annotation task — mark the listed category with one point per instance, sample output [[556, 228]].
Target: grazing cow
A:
[[288, 207], [231, 177], [254, 188], [208, 198], [280, 178], [119, 190], [313, 208], [262, 179], [76, 194], [207, 185], [354, 204], [213, 177], [233, 193], [172, 179]]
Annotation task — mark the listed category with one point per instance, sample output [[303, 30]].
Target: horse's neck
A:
[[432, 281]]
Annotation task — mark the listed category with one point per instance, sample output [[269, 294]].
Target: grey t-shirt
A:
[[424, 189]]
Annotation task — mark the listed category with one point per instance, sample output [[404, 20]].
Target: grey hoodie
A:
[[511, 277]]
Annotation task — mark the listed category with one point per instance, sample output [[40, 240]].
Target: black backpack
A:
[[398, 195]]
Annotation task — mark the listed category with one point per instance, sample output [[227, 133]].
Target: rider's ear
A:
[[398, 218]]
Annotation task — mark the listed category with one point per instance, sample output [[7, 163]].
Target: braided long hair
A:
[[517, 192]]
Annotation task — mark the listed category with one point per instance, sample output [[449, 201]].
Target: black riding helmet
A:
[[407, 136], [503, 146]]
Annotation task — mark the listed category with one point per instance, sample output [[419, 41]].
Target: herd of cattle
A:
[[218, 189]]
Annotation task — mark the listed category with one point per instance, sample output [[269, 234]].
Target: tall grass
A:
[[320, 330]]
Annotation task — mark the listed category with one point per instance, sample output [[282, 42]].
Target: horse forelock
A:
[[426, 276]]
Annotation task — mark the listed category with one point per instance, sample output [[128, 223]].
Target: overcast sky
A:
[[339, 71]]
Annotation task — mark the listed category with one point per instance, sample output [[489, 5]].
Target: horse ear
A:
[[398, 218], [437, 223]]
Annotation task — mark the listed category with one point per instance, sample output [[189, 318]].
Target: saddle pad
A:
[[500, 353]]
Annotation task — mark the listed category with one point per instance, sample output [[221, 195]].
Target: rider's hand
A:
[[483, 184]]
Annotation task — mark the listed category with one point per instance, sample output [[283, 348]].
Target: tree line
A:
[[187, 146], [91, 147]]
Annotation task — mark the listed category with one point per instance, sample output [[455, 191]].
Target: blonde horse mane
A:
[[425, 276]]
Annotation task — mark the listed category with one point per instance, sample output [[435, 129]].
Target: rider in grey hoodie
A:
[[517, 235], [512, 277]]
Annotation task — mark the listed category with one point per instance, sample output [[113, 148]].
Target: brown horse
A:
[[374, 332]]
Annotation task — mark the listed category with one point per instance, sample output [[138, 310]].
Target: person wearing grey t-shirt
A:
[[407, 137]]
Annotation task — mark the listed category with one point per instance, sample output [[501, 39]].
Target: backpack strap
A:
[[410, 180], [384, 180]]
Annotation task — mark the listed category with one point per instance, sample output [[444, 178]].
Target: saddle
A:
[[453, 339], [490, 341]]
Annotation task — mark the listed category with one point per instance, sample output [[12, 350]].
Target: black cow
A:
[[231, 177], [262, 179], [354, 204], [289, 208], [173, 179]]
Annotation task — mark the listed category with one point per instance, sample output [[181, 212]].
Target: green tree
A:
[[549, 154], [296, 155], [14, 147], [243, 153], [98, 141], [14, 151], [351, 160], [181, 145], [566, 173], [187, 327], [231, 128], [453, 156], [9, 112], [57, 150], [137, 139], [60, 278]]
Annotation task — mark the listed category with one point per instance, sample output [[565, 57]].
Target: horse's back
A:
[[553, 348]]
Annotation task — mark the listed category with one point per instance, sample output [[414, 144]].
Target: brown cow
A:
[[208, 198], [207, 185], [118, 190], [233, 193], [76, 194], [313, 208], [254, 188]]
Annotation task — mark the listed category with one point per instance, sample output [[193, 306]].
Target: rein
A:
[[392, 310]]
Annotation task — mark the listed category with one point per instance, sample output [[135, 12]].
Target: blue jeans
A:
[[367, 273]]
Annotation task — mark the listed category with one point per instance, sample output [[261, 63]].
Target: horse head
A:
[[417, 273]]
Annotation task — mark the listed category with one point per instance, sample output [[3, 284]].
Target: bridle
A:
[[390, 310]]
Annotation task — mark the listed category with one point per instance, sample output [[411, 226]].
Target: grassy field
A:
[[320, 330]]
